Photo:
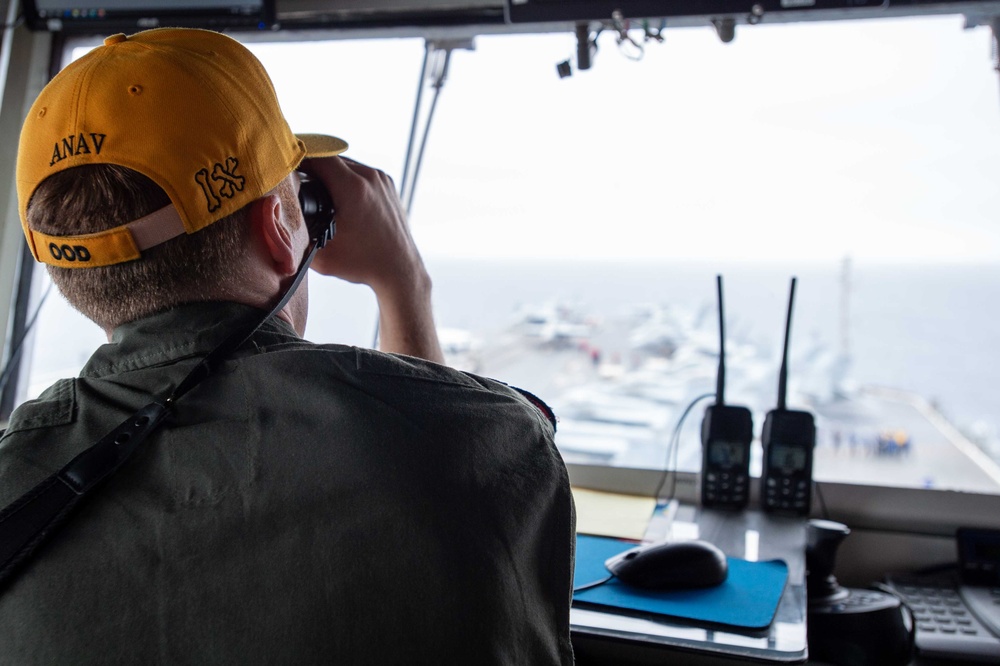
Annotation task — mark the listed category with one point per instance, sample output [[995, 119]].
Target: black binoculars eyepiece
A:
[[317, 209]]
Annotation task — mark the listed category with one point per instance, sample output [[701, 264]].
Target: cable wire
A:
[[408, 186], [437, 84], [587, 586], [413, 123], [673, 446]]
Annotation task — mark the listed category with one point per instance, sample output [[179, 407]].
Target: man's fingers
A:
[[370, 174], [342, 169]]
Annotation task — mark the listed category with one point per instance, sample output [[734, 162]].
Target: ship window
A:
[[574, 228]]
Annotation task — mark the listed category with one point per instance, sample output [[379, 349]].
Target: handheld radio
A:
[[788, 438], [726, 434]]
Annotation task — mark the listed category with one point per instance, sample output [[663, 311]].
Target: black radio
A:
[[726, 434], [788, 438]]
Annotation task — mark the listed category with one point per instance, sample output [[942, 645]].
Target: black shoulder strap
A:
[[31, 519], [26, 523]]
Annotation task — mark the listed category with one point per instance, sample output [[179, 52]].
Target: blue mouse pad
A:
[[747, 599]]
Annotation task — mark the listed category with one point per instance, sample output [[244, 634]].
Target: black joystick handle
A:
[[823, 539]]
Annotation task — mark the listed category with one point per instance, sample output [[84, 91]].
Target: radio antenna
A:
[[720, 382], [783, 374]]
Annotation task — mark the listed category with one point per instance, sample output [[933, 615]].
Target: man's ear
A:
[[265, 217]]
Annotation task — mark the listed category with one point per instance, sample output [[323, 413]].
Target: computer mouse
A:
[[672, 565]]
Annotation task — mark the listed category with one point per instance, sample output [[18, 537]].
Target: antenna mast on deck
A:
[[845, 308], [838, 373]]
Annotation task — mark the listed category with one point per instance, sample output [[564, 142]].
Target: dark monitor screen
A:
[[108, 16]]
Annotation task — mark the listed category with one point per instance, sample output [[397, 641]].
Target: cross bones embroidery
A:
[[222, 182]]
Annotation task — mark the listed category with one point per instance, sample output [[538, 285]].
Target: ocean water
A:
[[929, 329]]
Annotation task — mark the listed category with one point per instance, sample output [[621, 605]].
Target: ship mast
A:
[[843, 360], [845, 309]]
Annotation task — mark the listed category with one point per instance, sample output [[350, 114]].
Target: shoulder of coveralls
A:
[[55, 406], [539, 404], [30, 449], [375, 362]]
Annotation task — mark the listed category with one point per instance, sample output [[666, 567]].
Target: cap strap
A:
[[113, 246], [157, 227]]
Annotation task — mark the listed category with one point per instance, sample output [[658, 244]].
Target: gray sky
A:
[[876, 139]]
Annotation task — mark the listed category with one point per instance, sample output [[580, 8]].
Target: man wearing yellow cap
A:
[[291, 502]]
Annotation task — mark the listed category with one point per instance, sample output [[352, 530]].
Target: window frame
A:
[[910, 513]]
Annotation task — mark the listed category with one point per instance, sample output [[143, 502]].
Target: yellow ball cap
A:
[[193, 110]]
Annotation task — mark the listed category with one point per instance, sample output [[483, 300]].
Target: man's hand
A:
[[373, 246]]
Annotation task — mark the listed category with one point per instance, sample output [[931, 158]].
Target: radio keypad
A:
[[786, 493], [725, 487]]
